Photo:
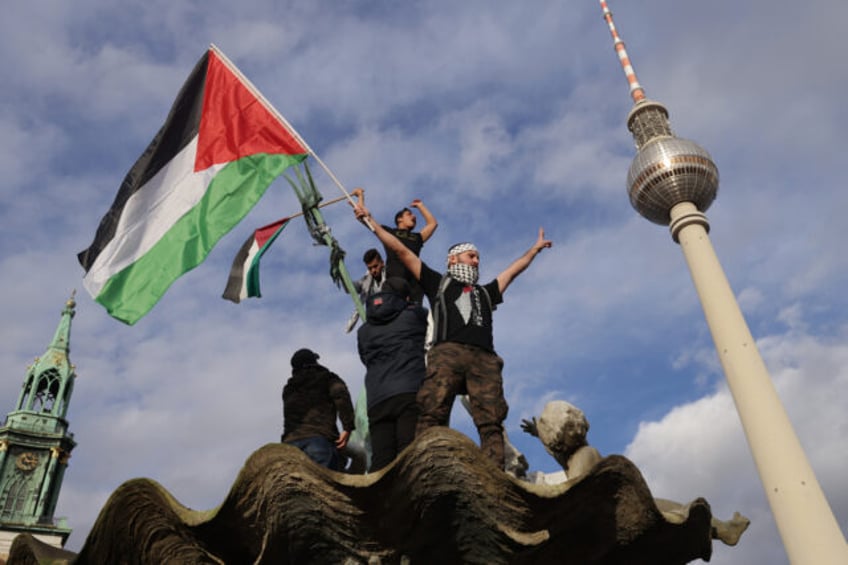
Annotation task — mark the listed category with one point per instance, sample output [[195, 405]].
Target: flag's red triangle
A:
[[263, 234], [235, 123]]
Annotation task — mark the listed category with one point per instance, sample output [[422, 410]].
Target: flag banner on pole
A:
[[220, 148], [244, 275]]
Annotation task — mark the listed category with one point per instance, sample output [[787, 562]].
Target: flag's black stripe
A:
[[236, 278], [179, 129]]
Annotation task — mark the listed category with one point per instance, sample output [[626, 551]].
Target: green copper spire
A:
[[35, 444], [50, 379]]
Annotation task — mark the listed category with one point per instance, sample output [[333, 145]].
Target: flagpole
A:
[[270, 107], [321, 205]]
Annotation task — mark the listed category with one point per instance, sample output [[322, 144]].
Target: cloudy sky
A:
[[501, 116]]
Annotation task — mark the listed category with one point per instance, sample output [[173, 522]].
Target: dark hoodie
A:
[[312, 398], [391, 345]]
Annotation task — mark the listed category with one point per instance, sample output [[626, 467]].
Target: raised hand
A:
[[529, 426]]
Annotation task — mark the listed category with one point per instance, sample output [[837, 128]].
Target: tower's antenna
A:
[[667, 170], [672, 182], [636, 91]]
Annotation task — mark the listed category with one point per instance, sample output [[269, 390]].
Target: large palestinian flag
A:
[[220, 148]]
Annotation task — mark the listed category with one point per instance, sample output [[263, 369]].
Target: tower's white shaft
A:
[[809, 530]]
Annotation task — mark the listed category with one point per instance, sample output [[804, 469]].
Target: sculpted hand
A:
[[529, 426]]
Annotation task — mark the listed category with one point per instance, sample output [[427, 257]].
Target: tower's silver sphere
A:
[[668, 170]]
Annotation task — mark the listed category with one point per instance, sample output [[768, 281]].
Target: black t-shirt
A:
[[469, 317], [394, 268]]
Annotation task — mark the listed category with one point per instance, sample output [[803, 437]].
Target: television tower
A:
[[671, 182]]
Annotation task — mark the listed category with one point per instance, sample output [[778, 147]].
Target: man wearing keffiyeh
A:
[[462, 359]]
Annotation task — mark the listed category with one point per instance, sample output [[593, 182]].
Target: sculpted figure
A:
[[562, 429]]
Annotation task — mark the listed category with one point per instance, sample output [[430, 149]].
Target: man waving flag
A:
[[220, 148]]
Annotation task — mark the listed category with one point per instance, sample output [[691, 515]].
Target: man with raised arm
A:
[[463, 357], [405, 222]]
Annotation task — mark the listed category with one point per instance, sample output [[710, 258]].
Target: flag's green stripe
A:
[[131, 293], [252, 279]]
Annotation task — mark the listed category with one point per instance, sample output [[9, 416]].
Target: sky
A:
[[502, 117]]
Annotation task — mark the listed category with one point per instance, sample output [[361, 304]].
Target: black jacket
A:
[[312, 398], [391, 345]]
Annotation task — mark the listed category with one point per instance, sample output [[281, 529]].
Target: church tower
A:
[[35, 445]]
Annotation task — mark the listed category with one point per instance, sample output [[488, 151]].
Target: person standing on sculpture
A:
[[405, 222], [313, 398], [463, 358], [391, 346], [370, 283]]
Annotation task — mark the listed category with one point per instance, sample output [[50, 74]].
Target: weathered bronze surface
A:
[[440, 502]]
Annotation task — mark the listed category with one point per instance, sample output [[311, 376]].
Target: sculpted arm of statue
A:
[[517, 267], [727, 531], [530, 427], [407, 257], [430, 222], [582, 461]]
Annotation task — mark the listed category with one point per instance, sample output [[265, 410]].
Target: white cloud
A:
[[699, 449], [502, 118]]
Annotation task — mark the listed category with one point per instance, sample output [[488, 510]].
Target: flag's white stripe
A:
[[248, 264], [150, 213]]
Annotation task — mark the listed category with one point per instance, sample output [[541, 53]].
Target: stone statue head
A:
[[562, 428]]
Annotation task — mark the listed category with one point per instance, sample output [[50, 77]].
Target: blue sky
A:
[[502, 117]]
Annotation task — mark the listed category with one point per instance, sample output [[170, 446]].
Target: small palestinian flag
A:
[[220, 148], [244, 275]]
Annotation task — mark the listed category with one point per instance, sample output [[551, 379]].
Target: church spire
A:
[[35, 444], [49, 382]]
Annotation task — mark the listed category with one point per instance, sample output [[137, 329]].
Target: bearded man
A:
[[462, 359]]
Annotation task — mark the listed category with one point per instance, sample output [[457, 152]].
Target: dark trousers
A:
[[391, 424], [319, 449], [455, 368]]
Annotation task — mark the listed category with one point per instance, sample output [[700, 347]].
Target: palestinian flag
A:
[[220, 148], [244, 275]]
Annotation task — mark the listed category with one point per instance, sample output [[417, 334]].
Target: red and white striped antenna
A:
[[637, 93]]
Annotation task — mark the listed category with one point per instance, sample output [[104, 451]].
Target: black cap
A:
[[303, 358]]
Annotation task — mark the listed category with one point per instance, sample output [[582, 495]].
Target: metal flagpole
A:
[[321, 205]]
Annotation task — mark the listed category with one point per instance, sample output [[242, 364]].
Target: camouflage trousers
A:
[[455, 368]]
